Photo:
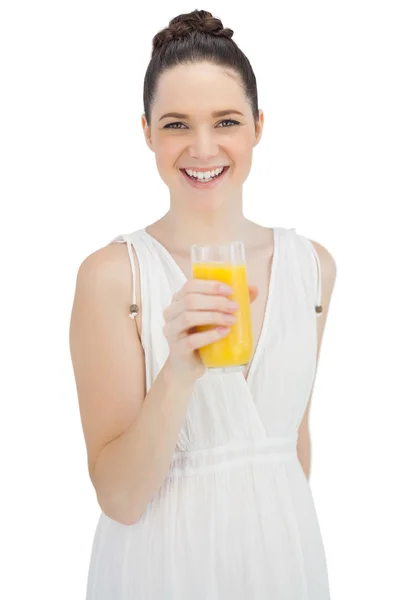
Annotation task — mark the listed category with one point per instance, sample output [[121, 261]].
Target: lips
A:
[[200, 183], [204, 169]]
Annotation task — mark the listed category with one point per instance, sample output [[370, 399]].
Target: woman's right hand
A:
[[198, 302]]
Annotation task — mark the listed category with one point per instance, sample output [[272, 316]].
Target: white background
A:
[[76, 172]]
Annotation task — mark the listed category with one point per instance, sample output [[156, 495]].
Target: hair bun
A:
[[183, 25]]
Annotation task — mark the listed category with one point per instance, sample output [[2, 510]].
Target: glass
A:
[[226, 263]]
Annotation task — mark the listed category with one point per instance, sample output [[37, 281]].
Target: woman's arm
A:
[[328, 278], [130, 437]]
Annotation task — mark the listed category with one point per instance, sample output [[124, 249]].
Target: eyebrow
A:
[[215, 114]]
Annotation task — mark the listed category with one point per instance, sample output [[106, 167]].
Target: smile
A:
[[204, 183]]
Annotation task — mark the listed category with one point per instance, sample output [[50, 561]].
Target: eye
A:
[[169, 126], [230, 121]]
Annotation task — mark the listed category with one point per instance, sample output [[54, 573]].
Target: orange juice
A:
[[234, 348]]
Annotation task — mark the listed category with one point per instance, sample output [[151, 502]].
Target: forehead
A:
[[198, 88]]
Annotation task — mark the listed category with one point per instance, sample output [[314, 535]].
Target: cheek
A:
[[168, 151], [239, 145], [246, 141], [241, 154]]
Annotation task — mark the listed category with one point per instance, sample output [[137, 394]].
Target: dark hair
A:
[[197, 37]]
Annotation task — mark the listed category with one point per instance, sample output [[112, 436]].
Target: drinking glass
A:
[[226, 263]]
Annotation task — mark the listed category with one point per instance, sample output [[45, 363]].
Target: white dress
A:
[[235, 517]]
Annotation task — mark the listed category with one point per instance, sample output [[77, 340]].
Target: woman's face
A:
[[199, 139]]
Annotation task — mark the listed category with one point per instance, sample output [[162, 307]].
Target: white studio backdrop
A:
[[76, 172]]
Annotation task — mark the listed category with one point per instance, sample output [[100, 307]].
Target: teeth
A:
[[201, 175]]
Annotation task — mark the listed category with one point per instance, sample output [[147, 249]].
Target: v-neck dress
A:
[[234, 518]]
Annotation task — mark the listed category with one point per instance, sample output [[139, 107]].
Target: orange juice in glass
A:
[[226, 263]]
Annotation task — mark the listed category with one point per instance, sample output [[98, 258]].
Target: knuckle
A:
[[186, 318], [225, 303], [188, 303], [190, 342], [212, 317]]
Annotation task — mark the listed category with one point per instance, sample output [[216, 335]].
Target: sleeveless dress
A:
[[235, 517]]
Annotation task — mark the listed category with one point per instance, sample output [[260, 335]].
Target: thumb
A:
[[253, 292]]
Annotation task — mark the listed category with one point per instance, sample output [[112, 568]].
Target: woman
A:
[[202, 479]]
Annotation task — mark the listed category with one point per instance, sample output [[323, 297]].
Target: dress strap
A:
[[318, 299], [318, 305], [134, 308]]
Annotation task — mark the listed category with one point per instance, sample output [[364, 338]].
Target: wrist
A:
[[181, 380]]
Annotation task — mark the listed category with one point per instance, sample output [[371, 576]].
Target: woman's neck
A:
[[180, 232]]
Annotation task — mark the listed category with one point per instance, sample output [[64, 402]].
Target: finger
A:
[[196, 340], [197, 302], [183, 326], [192, 319], [253, 292], [201, 286]]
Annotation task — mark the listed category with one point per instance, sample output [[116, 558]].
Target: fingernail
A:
[[226, 289]]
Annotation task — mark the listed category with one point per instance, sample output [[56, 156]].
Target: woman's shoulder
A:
[[108, 259], [116, 266], [326, 259], [107, 270]]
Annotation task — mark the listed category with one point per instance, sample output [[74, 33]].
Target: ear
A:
[[259, 126], [146, 131]]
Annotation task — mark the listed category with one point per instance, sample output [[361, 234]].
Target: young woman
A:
[[202, 478]]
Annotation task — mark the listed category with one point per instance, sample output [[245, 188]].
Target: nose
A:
[[203, 147]]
